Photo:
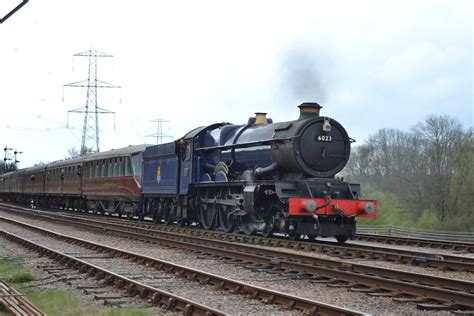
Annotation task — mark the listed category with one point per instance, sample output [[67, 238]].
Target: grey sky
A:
[[371, 64]]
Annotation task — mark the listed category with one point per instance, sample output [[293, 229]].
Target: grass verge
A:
[[54, 302], [64, 303]]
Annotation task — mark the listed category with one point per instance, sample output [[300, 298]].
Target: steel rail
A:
[[158, 297], [292, 302], [15, 302], [431, 260], [402, 256], [294, 262], [460, 246], [373, 279], [346, 251]]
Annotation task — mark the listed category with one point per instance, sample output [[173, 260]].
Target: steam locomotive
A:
[[260, 177]]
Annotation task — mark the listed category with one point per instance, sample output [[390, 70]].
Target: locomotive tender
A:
[[259, 177]]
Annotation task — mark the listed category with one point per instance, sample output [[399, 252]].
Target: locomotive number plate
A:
[[324, 138]]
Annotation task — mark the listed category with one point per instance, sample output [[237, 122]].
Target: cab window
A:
[[187, 153]]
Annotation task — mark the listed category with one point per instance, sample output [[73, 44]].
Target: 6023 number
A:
[[324, 138]]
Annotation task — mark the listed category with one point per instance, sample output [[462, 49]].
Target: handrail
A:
[[392, 230]]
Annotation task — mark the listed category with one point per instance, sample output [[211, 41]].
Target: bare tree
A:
[[74, 153], [443, 146], [430, 169]]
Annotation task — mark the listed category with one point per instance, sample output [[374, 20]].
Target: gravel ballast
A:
[[284, 283]]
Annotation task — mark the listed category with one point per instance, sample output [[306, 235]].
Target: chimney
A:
[[260, 118], [309, 110]]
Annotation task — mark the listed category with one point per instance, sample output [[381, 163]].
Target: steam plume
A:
[[301, 75]]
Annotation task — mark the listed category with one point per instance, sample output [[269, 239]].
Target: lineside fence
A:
[[395, 231]]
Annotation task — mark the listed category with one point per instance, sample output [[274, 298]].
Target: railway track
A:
[[346, 251], [114, 257], [458, 246], [455, 246], [16, 303], [343, 250], [430, 292]]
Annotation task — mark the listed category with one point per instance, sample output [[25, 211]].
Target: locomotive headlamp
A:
[[369, 208], [308, 205]]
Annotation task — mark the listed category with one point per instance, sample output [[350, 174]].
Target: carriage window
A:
[[103, 169], [116, 168], [128, 166], [109, 168], [120, 167], [137, 164]]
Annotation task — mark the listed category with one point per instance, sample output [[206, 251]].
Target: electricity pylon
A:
[[90, 129], [159, 131]]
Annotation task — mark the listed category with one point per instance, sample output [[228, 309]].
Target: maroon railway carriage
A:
[[21, 186], [112, 180], [6, 184], [31, 183], [62, 184], [102, 182]]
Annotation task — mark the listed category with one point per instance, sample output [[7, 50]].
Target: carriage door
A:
[[186, 166]]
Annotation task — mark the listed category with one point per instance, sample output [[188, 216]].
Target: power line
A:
[[9, 14], [37, 129]]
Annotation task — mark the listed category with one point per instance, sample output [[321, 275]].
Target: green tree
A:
[[7, 167]]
